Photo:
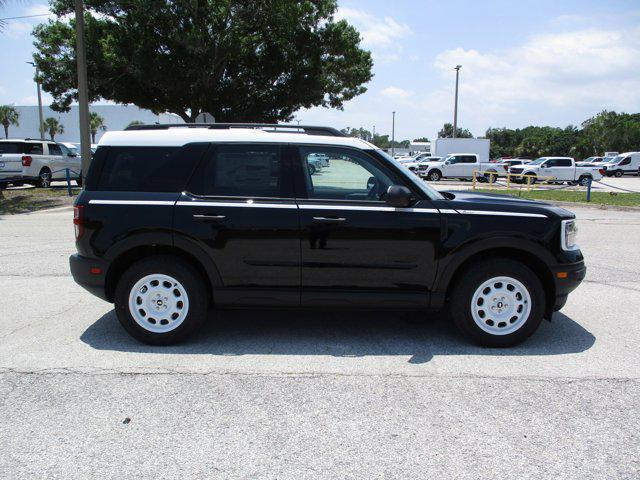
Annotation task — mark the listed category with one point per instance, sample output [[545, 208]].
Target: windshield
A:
[[431, 192], [609, 159], [617, 159], [537, 161]]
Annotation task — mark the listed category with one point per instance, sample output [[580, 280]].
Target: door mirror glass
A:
[[448, 162], [398, 196]]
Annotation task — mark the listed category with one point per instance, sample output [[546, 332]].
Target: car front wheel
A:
[[434, 176], [497, 303], [161, 300]]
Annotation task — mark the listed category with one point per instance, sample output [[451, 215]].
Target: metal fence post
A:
[[475, 174], [66, 171], [589, 190]]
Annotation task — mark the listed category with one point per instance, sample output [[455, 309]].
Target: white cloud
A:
[[16, 29], [38, 10], [585, 67], [396, 93], [375, 31]]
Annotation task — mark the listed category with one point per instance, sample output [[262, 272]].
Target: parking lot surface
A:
[[291, 394]]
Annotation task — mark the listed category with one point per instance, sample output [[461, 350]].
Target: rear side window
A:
[[250, 170], [33, 148], [11, 147], [563, 162], [143, 169], [469, 159]]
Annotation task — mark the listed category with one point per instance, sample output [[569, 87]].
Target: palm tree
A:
[[53, 126], [96, 122], [8, 116]]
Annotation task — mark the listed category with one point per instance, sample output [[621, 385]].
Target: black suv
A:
[[176, 220]]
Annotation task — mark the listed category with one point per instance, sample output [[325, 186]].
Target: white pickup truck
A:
[[37, 162], [455, 165], [562, 169]]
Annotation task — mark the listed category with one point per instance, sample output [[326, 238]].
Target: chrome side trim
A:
[[502, 214], [132, 202], [366, 208], [248, 204]]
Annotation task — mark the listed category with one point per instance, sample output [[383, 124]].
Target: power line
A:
[[26, 16]]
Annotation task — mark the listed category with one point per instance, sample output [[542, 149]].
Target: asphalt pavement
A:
[[285, 394]]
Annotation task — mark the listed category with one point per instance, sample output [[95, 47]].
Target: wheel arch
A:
[[528, 253], [137, 249]]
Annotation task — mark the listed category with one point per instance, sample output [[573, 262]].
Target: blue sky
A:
[[523, 62]]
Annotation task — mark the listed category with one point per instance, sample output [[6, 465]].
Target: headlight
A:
[[569, 234]]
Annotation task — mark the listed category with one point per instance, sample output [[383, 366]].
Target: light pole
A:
[[83, 91], [373, 136], [393, 133], [40, 114], [455, 108]]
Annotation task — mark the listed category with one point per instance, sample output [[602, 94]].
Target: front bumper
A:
[[567, 278], [90, 274]]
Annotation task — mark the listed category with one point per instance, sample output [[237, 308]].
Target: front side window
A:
[[351, 175], [250, 170], [626, 161], [54, 149]]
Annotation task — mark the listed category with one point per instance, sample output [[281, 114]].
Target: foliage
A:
[[96, 122], [241, 61], [447, 132], [381, 141], [607, 131], [134, 122], [8, 116], [421, 139], [53, 127]]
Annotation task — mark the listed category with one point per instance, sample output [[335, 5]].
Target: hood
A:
[[465, 200]]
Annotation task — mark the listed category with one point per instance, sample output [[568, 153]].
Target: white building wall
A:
[[116, 117]]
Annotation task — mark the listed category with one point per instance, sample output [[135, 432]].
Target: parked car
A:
[[624, 164], [37, 162], [423, 166], [562, 169], [175, 221], [321, 159], [591, 161], [456, 165], [501, 168]]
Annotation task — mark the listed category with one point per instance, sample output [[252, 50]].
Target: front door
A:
[[455, 168], [356, 250], [239, 209]]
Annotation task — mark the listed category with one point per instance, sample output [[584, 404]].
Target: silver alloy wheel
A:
[[501, 305], [45, 179], [158, 303]]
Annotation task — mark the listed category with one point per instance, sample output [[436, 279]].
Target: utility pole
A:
[[393, 133], [455, 108], [83, 90], [40, 114]]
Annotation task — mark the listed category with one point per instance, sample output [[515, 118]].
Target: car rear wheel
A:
[[584, 180], [491, 178], [44, 178], [161, 300], [497, 303]]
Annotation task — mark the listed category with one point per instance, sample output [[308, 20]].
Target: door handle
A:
[[209, 218], [329, 219]]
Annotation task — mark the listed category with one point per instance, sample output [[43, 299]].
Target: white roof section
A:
[[178, 136]]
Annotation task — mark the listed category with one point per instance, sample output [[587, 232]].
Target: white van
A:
[[624, 164]]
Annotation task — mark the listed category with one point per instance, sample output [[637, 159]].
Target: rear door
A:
[[239, 209], [355, 249]]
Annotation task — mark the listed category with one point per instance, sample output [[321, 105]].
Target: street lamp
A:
[[393, 133], [455, 108], [40, 114], [83, 90]]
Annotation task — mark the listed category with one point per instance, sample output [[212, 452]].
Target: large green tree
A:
[[53, 127], [447, 132], [239, 60], [96, 122]]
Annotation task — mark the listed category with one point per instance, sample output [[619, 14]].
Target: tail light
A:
[[506, 167], [26, 161], [78, 221], [602, 170]]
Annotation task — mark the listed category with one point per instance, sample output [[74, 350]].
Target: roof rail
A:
[[286, 128]]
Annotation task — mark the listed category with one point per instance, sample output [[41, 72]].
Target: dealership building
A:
[[116, 117]]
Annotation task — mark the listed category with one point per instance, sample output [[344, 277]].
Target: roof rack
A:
[[285, 128]]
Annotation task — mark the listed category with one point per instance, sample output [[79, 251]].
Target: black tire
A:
[[190, 280], [472, 278], [533, 177], [434, 176], [618, 173], [583, 181], [44, 178], [491, 178]]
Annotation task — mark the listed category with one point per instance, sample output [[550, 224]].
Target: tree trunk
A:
[[6, 131]]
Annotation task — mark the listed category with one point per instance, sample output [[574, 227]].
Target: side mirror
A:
[[398, 196], [448, 162]]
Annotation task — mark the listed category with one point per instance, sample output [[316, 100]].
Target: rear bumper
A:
[[567, 278], [90, 274]]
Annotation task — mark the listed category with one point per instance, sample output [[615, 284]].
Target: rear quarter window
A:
[[143, 169], [11, 147]]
